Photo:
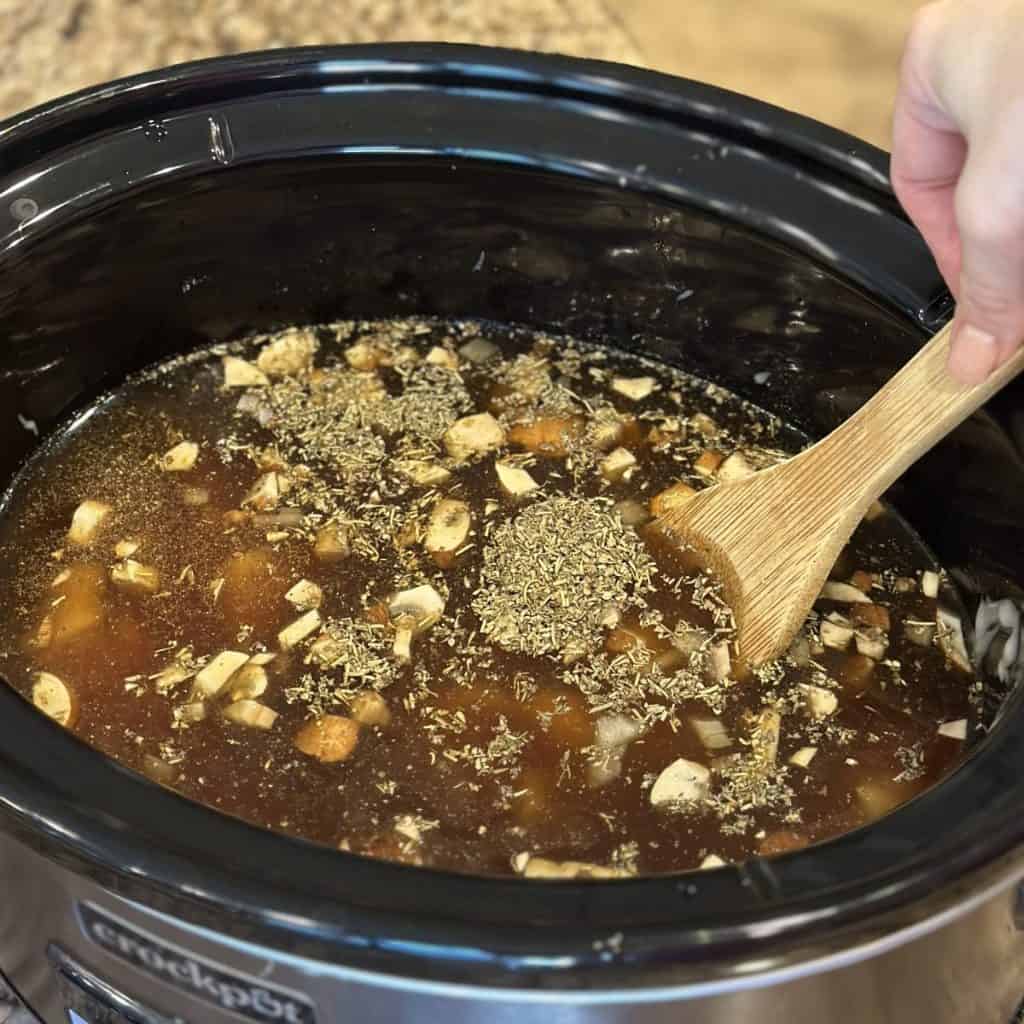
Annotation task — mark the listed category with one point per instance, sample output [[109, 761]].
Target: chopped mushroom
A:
[[803, 757], [473, 435], [86, 522], [181, 458], [422, 472], [681, 782], [413, 612], [670, 498], [305, 595], [632, 513], [819, 702], [329, 738], [955, 730], [447, 531], [529, 866], [251, 713], [370, 708], [836, 631], [332, 543], [54, 698], [618, 465], [213, 677], [871, 642], [515, 481], [249, 682], [294, 633], [134, 577], [634, 388], [238, 373], [876, 615], [844, 593]]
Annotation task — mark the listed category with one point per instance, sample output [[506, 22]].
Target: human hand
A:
[[958, 167]]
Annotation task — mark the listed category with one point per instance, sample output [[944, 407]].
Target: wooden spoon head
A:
[[772, 543]]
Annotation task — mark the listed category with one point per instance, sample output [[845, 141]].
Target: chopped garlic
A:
[[213, 677], [845, 593], [134, 577], [634, 388], [251, 713], [955, 730], [618, 465], [514, 480], [305, 595], [296, 632], [473, 435], [181, 458], [820, 702], [86, 522], [803, 757], [930, 583], [682, 781], [54, 698], [241, 374]]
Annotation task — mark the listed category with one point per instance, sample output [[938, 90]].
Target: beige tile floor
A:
[[832, 59]]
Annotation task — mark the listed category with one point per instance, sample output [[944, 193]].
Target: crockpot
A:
[[744, 243]]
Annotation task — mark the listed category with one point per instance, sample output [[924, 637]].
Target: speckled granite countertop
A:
[[827, 58]]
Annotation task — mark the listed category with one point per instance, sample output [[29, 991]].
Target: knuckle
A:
[[994, 217]]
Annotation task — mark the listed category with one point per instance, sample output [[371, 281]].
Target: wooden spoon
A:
[[773, 536]]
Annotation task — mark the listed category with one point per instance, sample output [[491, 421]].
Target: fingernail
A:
[[973, 355]]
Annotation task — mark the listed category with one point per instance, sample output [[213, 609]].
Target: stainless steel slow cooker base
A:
[[745, 244]]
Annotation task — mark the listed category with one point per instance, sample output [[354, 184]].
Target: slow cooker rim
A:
[[582, 904]]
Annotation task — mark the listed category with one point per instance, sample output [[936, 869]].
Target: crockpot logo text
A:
[[237, 993]]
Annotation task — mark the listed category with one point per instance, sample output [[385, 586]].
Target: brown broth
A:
[[489, 753]]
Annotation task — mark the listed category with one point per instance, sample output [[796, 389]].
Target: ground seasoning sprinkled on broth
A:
[[398, 587]]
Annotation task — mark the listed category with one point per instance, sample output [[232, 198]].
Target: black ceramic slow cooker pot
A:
[[741, 242]]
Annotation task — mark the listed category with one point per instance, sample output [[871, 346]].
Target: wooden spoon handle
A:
[[911, 413]]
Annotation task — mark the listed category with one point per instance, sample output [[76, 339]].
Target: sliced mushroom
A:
[[134, 577], [181, 458], [682, 782], [329, 738], [289, 354], [634, 388], [619, 464], [86, 522], [304, 596], [950, 636], [238, 373], [670, 498], [447, 530], [251, 713], [370, 708], [294, 633], [844, 593], [213, 677], [515, 481], [473, 435], [423, 472], [871, 642], [819, 702], [54, 698], [413, 612]]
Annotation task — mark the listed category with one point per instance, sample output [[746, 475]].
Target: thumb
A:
[[990, 215]]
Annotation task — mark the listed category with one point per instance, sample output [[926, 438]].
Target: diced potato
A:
[[87, 521], [734, 468], [370, 708], [681, 782], [836, 631], [329, 738], [423, 472], [473, 435], [820, 702], [845, 593], [876, 615], [612, 735], [478, 350], [251, 713], [515, 481], [447, 531], [803, 757], [55, 699], [712, 733], [871, 642], [238, 373], [134, 577], [619, 464], [213, 677], [267, 492], [439, 356], [305, 595], [550, 435], [332, 543], [930, 583], [293, 634], [181, 458], [249, 682], [670, 498], [955, 730], [634, 388], [712, 860], [289, 354], [708, 462], [854, 672]]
